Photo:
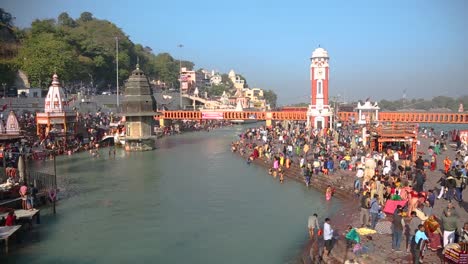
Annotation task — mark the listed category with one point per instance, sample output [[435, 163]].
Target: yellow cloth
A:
[[363, 231], [420, 215]]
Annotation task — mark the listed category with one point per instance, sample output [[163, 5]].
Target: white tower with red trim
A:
[[319, 114]]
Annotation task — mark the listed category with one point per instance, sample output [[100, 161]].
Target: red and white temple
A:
[[57, 118], [319, 113]]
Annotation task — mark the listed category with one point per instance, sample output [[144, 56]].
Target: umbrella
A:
[[21, 168]]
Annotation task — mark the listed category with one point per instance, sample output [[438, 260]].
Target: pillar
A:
[[268, 119], [359, 117], [414, 150]]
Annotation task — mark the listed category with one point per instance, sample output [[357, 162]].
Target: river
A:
[[189, 201]]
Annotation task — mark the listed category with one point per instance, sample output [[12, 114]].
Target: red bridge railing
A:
[[404, 117]]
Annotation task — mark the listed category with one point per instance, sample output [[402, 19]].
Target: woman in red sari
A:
[[433, 232], [434, 162]]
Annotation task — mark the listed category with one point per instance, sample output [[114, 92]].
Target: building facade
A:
[[319, 114], [190, 79], [236, 80]]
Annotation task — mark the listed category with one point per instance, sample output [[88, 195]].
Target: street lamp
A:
[[117, 70], [4, 90], [180, 78]]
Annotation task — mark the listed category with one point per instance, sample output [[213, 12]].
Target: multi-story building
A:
[[236, 80], [255, 96], [216, 79], [190, 79]]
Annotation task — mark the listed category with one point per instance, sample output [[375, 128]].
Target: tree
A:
[[85, 17], [218, 90], [270, 97], [6, 19], [187, 64], [244, 79], [227, 81], [42, 55], [65, 20], [43, 26]]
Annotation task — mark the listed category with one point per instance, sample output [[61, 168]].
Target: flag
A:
[[4, 107]]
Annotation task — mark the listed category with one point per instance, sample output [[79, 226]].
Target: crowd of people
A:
[[390, 188]]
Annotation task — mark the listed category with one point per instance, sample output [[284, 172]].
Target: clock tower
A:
[[319, 114]]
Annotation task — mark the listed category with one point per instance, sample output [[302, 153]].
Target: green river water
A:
[[189, 201]]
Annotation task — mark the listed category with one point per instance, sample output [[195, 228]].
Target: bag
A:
[[320, 232]]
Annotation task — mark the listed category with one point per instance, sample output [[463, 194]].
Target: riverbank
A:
[[343, 191], [343, 183]]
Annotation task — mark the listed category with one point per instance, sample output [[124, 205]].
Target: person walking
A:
[[412, 228], [374, 210], [449, 223], [312, 225], [419, 244], [450, 184], [397, 229], [447, 163], [442, 181], [365, 206], [327, 237]]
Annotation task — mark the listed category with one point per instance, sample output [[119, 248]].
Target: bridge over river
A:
[[297, 115]]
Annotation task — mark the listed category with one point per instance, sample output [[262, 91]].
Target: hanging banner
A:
[[212, 115]]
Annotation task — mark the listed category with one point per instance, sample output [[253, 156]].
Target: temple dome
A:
[[55, 101], [320, 53], [232, 74]]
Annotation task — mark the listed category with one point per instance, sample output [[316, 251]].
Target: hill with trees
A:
[[81, 50]]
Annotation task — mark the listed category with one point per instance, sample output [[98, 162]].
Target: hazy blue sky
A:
[[376, 48]]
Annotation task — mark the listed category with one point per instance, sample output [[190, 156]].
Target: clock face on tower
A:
[[319, 74]]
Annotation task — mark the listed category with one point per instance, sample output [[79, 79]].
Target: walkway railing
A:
[[403, 117], [416, 117]]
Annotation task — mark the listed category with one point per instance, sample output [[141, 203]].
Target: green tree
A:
[[245, 80], [42, 55], [85, 17], [218, 90], [167, 68], [65, 20], [6, 19], [270, 97], [43, 26]]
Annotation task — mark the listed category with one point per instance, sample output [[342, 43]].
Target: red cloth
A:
[[10, 220], [391, 205]]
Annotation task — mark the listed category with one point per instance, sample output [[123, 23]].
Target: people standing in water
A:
[[328, 193], [313, 225]]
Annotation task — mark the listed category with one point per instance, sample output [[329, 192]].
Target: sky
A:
[[377, 49]]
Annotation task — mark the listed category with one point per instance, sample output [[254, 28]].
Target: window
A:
[[319, 87]]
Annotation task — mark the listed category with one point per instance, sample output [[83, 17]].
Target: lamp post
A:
[[109, 86], [117, 70], [4, 90], [180, 78]]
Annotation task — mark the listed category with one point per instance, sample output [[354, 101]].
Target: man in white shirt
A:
[[327, 237]]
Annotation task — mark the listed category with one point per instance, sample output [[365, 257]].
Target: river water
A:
[[189, 201]]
